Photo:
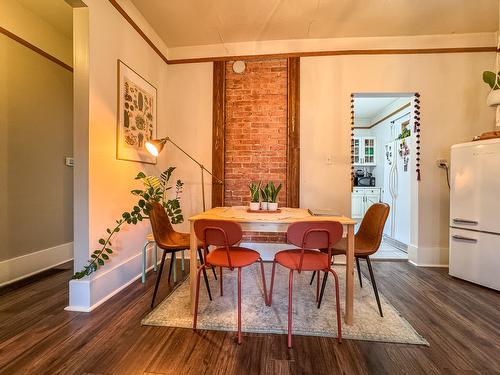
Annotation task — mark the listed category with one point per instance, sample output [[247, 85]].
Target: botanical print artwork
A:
[[136, 115]]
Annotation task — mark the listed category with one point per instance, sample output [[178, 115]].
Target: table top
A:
[[287, 215]]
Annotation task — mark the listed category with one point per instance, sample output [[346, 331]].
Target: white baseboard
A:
[[428, 256], [12, 270], [90, 292]]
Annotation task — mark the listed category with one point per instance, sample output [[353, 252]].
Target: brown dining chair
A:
[[366, 242], [170, 241]]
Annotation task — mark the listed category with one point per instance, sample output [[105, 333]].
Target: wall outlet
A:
[[442, 163], [70, 162]]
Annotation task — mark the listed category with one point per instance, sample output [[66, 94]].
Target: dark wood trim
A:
[[34, 48], [404, 51], [138, 29], [293, 137], [218, 131], [385, 118]]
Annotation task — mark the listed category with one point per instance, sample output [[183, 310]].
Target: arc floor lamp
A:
[[156, 146]]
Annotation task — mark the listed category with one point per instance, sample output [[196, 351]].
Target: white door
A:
[[357, 205], [475, 184], [371, 199], [387, 188], [403, 185]]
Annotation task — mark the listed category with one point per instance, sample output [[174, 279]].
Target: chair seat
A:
[[361, 248], [313, 259], [240, 257]]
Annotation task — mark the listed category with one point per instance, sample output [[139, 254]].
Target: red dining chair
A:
[[309, 236], [224, 235]]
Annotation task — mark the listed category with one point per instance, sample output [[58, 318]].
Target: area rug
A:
[[308, 320]]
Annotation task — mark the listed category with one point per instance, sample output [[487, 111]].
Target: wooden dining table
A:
[[275, 222]]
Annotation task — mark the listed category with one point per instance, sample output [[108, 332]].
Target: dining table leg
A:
[[193, 264], [349, 287]]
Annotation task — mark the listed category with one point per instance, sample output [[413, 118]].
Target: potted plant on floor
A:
[[264, 194], [254, 196], [273, 196]]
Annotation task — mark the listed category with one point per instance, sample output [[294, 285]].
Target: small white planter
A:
[[493, 98], [254, 206], [272, 206], [263, 206]]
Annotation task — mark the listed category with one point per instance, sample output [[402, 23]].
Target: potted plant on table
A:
[[264, 193], [254, 196], [273, 196]]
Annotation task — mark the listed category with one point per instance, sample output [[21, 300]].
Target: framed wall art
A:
[[137, 104]]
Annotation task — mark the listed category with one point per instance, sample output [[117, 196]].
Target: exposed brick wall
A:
[[256, 129]]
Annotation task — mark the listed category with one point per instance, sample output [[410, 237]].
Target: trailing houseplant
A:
[[493, 80], [154, 190], [273, 196], [254, 195]]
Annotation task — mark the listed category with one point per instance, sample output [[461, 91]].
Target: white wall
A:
[[453, 110]]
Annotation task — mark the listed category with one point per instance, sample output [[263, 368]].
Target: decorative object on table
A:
[[154, 190], [273, 196], [136, 115], [404, 153], [264, 193], [155, 146], [254, 196], [219, 314]]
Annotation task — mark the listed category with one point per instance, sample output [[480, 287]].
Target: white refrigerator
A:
[[475, 212], [396, 188]]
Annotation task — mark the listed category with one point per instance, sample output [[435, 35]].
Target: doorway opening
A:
[[385, 158]]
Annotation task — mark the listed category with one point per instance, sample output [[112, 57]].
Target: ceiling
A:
[[56, 13], [200, 22], [365, 109]]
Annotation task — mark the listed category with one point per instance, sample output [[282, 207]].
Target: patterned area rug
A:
[[308, 320]]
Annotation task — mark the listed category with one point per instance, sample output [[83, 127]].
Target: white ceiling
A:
[[365, 109], [56, 13], [200, 22]]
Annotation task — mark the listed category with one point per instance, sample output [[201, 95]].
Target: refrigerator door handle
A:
[[462, 238], [465, 221]]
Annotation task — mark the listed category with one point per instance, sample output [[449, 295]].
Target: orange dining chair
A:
[[366, 242], [224, 235], [309, 236], [170, 241]]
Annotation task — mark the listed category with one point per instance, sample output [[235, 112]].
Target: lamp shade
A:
[[155, 146]]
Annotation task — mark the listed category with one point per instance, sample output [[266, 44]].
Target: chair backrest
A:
[[314, 235], [372, 227], [220, 233], [160, 223]]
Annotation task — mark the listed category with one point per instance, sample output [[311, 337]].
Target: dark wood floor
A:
[[461, 321]]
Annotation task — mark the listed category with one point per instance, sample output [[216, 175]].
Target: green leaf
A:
[[105, 256], [97, 251], [108, 230], [142, 203], [100, 261], [136, 192], [490, 79], [93, 256], [108, 250], [102, 241], [117, 229], [140, 175]]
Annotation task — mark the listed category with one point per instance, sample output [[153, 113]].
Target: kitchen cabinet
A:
[[364, 149], [362, 199]]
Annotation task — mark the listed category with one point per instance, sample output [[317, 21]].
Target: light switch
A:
[[70, 162]]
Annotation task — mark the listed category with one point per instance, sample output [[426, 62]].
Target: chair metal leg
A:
[[290, 308], [221, 285], [317, 289], [312, 278], [202, 261], [182, 261], [374, 284], [197, 296], [270, 297], [174, 260], [172, 257], [158, 277], [144, 253], [337, 303], [239, 305], [263, 279], [325, 277], [359, 272]]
